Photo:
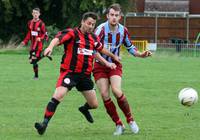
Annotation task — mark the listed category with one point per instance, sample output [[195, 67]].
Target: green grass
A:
[[151, 86]]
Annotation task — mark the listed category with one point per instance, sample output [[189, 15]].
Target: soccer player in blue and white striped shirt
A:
[[112, 35]]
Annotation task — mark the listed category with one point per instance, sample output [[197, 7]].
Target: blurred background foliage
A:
[[57, 14]]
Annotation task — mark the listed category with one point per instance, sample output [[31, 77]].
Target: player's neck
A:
[[113, 28], [36, 19], [82, 30]]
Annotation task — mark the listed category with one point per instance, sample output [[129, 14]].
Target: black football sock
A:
[[86, 106], [50, 110], [35, 69]]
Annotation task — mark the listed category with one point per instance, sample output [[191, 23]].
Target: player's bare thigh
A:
[[115, 82], [103, 86], [60, 92]]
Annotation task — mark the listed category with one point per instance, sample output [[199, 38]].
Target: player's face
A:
[[113, 17], [35, 14], [88, 25]]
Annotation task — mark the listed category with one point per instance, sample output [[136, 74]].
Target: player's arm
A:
[[59, 39], [104, 61], [132, 49], [48, 51], [28, 36], [108, 53]]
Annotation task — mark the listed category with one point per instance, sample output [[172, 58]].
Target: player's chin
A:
[[89, 31], [113, 23]]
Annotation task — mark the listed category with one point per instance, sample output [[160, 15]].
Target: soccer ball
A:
[[188, 96]]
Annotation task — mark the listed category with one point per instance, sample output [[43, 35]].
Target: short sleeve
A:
[[64, 35]]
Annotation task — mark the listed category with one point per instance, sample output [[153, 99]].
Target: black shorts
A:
[[81, 81]]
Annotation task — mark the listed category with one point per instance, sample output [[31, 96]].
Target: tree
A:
[[14, 14]]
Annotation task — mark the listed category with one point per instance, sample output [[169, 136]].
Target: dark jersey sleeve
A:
[[65, 35]]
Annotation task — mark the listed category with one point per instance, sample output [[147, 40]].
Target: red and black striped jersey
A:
[[78, 50], [35, 29]]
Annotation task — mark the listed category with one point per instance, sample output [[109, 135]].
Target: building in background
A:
[[162, 20]]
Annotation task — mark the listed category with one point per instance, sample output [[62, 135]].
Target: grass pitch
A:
[[151, 86]]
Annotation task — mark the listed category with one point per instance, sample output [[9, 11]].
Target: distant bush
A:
[[52, 30]]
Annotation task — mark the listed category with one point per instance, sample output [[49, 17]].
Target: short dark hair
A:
[[89, 14], [114, 6], [36, 9]]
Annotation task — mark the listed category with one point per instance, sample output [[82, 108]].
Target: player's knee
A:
[[105, 97], [94, 105], [59, 94], [33, 61], [117, 92], [105, 94]]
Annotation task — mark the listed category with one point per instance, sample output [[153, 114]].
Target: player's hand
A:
[[21, 45], [111, 65], [117, 59], [146, 54], [38, 39], [47, 52]]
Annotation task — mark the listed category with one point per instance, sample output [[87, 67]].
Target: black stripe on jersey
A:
[[87, 46], [34, 37], [65, 50], [63, 33], [118, 51], [95, 38], [34, 25], [65, 45], [73, 62], [114, 51], [40, 26], [63, 57]]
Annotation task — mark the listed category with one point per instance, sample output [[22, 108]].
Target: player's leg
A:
[[122, 101], [50, 109], [86, 87], [101, 75], [103, 86], [35, 68], [39, 53], [58, 96], [91, 103], [60, 92], [33, 61]]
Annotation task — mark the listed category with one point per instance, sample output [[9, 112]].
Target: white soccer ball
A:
[[188, 96]]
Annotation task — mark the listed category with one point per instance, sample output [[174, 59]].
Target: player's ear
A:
[[120, 17], [82, 22], [107, 15]]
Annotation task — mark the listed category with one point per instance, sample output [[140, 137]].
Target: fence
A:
[[140, 44], [191, 50], [160, 27]]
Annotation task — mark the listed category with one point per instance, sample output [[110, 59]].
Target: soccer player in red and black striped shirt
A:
[[36, 33], [80, 45]]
